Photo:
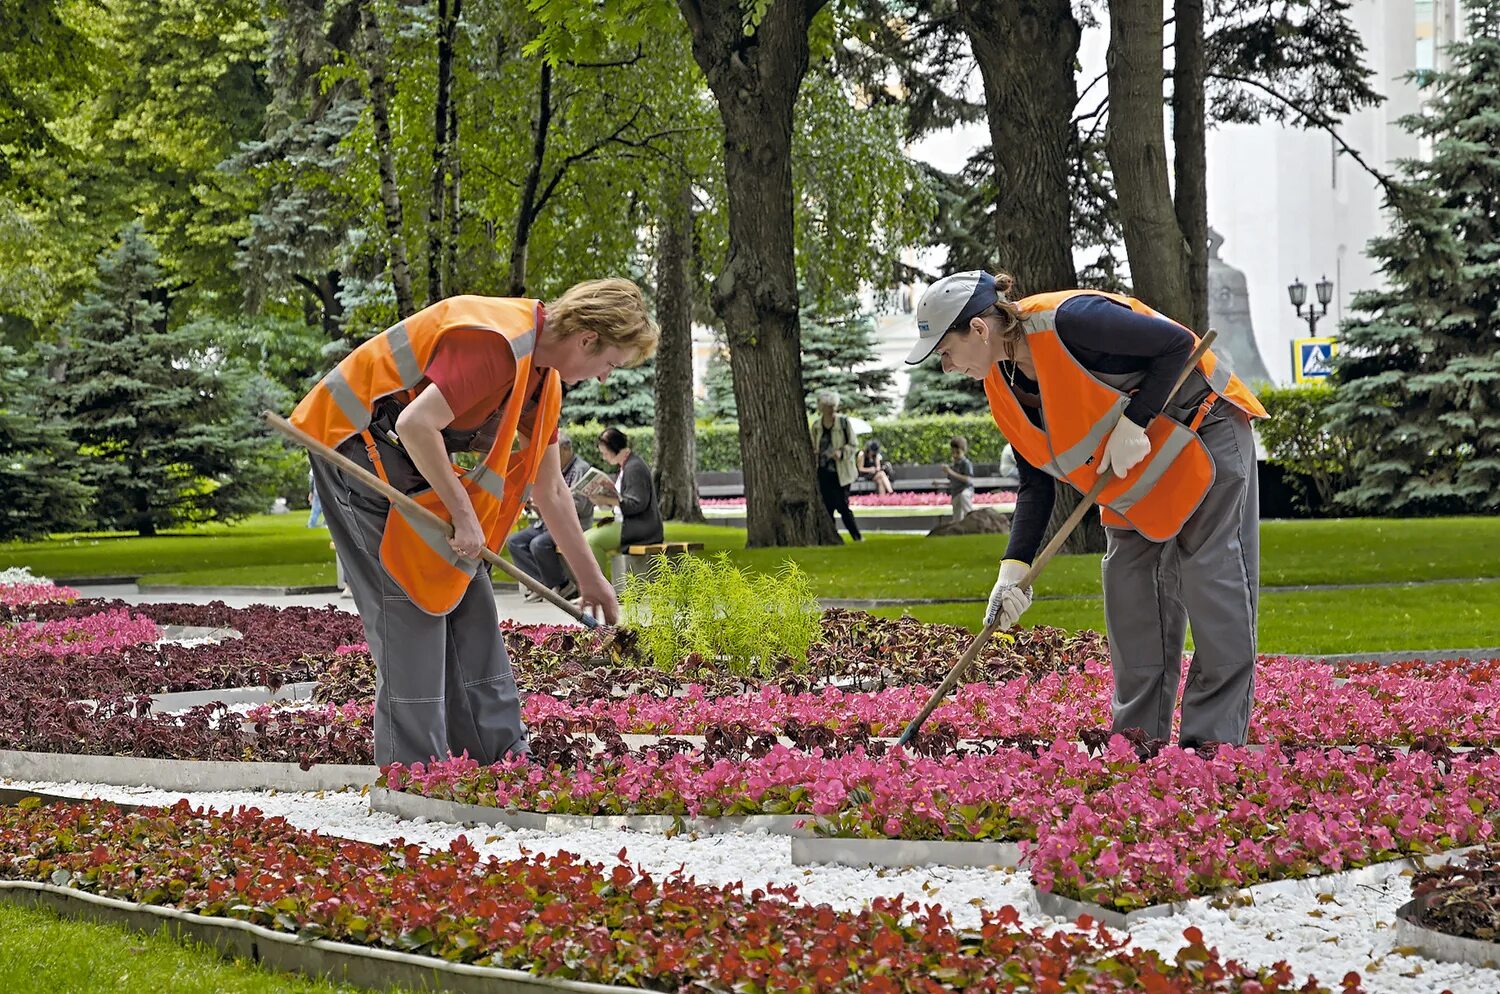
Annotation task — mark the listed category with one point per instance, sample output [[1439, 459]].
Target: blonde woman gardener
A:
[[1073, 378], [480, 374]]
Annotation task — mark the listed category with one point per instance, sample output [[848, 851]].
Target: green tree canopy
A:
[[1419, 367]]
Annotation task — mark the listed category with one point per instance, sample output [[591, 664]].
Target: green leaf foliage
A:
[[40, 473], [755, 624], [1419, 367], [167, 425]]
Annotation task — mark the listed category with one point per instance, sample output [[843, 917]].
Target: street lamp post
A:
[[1298, 292]]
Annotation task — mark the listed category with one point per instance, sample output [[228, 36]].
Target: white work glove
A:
[[1007, 600], [1127, 446]]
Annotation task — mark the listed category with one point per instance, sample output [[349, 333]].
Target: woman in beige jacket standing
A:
[[834, 445]]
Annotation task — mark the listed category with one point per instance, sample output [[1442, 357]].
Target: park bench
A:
[[638, 558], [904, 476]]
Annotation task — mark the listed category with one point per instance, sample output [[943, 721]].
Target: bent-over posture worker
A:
[[1073, 378], [474, 374]]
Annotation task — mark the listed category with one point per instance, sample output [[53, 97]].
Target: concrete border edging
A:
[[904, 852], [180, 774], [1433, 944], [1340, 882], [404, 804], [364, 966], [183, 699]]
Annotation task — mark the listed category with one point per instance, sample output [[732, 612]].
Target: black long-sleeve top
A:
[[1105, 336], [640, 521]]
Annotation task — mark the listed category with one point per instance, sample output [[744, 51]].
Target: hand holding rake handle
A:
[[414, 511], [955, 674]]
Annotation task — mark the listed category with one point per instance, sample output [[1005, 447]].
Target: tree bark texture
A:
[[443, 145], [390, 192], [755, 79], [1135, 141], [1190, 148], [527, 210], [455, 200], [675, 458], [1026, 50]]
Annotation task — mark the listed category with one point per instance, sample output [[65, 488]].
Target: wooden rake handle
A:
[[414, 511], [957, 672]]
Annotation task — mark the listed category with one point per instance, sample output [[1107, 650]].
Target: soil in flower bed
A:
[[1462, 899], [559, 917], [858, 651]]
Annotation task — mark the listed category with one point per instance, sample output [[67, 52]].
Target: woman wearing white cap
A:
[[1073, 379]]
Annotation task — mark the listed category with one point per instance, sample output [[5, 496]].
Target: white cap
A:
[[949, 302]]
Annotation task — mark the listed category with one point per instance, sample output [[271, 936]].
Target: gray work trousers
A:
[[443, 683], [1207, 576]]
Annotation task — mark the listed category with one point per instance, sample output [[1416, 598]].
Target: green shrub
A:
[[1319, 462], [751, 622], [920, 439]]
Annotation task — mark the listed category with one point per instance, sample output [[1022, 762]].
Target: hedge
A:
[[918, 439]]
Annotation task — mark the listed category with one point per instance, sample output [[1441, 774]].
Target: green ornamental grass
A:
[[751, 622]]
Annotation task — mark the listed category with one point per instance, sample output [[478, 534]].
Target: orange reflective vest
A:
[[1079, 410], [416, 553]]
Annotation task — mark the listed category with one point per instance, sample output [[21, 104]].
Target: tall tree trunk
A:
[[676, 449], [526, 211], [755, 79], [1026, 50], [455, 176], [442, 148], [390, 192], [1136, 144], [1190, 148]]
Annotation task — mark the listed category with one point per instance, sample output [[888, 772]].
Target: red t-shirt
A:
[[476, 372]]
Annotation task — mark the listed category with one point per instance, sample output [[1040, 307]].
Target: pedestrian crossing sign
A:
[[1312, 358]]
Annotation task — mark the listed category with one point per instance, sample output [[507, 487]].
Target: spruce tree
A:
[[838, 353], [627, 399], [166, 423], [1419, 370], [39, 467], [931, 391]]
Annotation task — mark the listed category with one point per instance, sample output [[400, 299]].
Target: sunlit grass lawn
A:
[[280, 551], [41, 953]]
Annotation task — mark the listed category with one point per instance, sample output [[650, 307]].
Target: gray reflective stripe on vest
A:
[[1040, 322], [487, 480], [523, 343], [349, 402], [435, 537], [1161, 461], [1219, 381], [406, 360], [1078, 454]]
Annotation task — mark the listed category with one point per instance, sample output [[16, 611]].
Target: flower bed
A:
[[559, 917], [1110, 828], [1462, 899], [107, 631], [901, 498]]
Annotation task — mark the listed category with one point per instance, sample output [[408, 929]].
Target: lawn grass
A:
[[1367, 619], [279, 551], [41, 953]]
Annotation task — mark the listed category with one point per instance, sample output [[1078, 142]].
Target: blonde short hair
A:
[[611, 308]]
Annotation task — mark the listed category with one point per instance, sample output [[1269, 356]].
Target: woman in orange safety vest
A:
[[1074, 379], [467, 374]]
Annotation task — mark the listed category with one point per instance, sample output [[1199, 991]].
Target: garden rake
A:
[[414, 511], [955, 674]]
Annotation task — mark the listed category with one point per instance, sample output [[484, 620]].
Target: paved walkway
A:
[[509, 603]]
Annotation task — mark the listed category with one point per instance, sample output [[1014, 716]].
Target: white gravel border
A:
[[1316, 935]]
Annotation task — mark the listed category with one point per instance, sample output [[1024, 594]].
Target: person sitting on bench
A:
[[533, 548], [871, 466], [639, 520]]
